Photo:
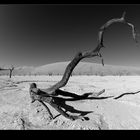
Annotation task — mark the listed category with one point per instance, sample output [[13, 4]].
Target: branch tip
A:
[[123, 15]]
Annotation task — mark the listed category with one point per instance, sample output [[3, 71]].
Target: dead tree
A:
[[11, 70], [81, 55], [93, 53]]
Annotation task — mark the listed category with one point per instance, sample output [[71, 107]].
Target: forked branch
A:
[[10, 70], [93, 53]]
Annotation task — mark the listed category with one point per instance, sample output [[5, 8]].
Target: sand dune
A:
[[86, 68], [83, 68]]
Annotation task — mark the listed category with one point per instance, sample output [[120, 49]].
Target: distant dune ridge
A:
[[83, 68]]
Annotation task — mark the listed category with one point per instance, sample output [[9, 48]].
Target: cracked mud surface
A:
[[16, 111]]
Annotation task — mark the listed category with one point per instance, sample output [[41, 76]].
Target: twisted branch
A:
[[95, 52]]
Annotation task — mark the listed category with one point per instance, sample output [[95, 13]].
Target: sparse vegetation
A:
[[50, 74]]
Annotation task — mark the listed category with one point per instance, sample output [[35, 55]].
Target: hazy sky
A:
[[35, 35]]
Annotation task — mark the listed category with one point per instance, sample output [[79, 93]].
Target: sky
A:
[[40, 34]]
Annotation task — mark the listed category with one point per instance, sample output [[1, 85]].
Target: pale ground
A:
[[16, 111]]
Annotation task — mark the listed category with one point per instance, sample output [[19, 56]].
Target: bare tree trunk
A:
[[11, 70], [10, 74], [96, 52]]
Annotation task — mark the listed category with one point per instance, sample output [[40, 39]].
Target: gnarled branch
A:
[[89, 54]]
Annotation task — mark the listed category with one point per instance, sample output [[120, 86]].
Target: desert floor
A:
[[112, 110]]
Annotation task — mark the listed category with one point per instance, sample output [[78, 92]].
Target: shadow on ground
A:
[[60, 102]]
